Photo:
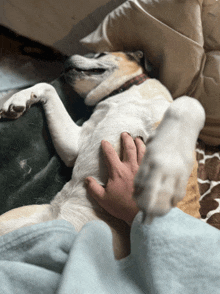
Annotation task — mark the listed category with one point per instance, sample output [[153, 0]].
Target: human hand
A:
[[116, 197]]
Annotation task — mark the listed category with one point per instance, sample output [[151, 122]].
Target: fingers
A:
[[111, 157], [141, 149], [129, 152], [94, 189], [133, 150], [132, 153]]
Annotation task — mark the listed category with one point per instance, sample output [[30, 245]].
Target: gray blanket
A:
[[175, 254]]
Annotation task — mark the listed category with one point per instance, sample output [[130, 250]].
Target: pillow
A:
[[164, 30], [180, 38]]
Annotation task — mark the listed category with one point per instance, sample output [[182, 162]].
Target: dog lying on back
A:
[[126, 101]]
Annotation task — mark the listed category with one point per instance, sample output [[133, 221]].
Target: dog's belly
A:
[[109, 120], [111, 117], [121, 113]]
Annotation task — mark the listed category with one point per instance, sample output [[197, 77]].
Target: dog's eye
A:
[[100, 55]]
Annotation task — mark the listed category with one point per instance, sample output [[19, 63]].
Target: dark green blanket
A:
[[31, 172]]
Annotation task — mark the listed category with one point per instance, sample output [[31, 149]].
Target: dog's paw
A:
[[15, 106], [161, 181]]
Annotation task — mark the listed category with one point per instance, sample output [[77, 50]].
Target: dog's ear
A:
[[137, 56], [145, 63]]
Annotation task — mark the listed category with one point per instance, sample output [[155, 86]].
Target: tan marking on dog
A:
[[126, 70], [156, 124], [23, 212], [125, 65]]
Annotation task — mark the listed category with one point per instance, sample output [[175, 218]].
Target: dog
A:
[[125, 100]]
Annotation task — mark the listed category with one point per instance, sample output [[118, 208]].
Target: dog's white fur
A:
[[165, 169]]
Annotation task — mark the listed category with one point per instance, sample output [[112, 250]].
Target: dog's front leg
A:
[[64, 132], [164, 172]]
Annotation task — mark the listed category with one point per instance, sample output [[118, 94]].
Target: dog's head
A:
[[95, 78]]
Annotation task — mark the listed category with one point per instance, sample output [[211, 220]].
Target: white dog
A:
[[163, 175]]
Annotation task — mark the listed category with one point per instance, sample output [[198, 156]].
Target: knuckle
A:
[[134, 169]]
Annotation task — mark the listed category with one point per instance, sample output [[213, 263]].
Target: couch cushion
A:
[[181, 39]]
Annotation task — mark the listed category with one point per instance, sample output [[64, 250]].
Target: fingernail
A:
[[104, 141], [126, 133], [141, 138]]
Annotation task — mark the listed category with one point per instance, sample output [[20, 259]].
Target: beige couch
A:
[[56, 23]]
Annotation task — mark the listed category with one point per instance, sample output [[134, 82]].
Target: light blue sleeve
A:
[[176, 254]]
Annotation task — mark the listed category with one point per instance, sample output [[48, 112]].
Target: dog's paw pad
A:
[[17, 108], [13, 111]]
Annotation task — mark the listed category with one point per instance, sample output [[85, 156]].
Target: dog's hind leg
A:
[[64, 132], [25, 216], [165, 169]]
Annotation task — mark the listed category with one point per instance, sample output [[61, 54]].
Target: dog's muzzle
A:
[[69, 66]]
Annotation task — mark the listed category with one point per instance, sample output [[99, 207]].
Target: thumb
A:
[[94, 189]]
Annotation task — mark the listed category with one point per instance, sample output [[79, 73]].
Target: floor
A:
[[24, 62]]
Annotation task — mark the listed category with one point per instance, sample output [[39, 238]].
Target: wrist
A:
[[129, 219]]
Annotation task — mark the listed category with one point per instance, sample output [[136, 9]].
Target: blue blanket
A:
[[175, 254]]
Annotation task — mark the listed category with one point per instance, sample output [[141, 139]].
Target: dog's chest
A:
[[126, 112], [114, 116], [121, 113]]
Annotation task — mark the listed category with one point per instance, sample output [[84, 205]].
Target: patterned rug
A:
[[209, 183]]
